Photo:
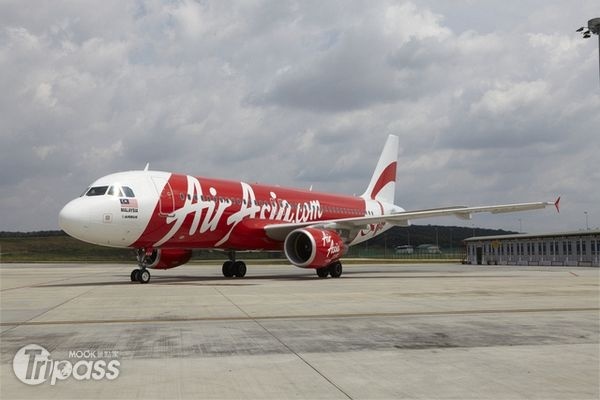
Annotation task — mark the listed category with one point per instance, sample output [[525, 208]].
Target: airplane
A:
[[163, 216]]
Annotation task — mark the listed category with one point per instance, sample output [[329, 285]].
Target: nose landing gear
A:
[[141, 274]]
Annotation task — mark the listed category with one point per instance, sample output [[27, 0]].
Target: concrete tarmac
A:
[[380, 331]]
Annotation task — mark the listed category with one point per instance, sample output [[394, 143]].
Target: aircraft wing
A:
[[279, 231]]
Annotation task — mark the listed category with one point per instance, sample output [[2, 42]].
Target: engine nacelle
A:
[[313, 248], [167, 258]]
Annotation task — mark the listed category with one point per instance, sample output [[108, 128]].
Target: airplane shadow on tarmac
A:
[[247, 281]]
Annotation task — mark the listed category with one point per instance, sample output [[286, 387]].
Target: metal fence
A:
[[353, 252], [383, 253]]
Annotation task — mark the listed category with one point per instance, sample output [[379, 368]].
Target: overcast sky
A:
[[494, 101]]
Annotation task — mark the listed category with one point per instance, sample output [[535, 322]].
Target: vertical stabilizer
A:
[[383, 183]]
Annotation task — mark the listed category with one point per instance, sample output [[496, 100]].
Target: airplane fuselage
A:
[[152, 209]]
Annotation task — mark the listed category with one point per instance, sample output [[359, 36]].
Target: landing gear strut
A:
[[233, 268], [141, 274], [334, 269]]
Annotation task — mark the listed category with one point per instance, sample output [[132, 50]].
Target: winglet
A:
[[146, 167], [557, 204]]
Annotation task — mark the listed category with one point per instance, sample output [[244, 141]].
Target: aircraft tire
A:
[[335, 269], [228, 269], [135, 275], [322, 272], [144, 276], [239, 269]]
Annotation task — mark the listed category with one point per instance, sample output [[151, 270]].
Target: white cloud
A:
[[190, 16], [406, 20], [509, 97], [44, 151], [43, 95], [493, 102]]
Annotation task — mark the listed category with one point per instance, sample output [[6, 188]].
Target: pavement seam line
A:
[[26, 323], [283, 344]]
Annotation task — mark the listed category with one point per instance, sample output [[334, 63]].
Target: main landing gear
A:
[[233, 268], [141, 274], [334, 269]]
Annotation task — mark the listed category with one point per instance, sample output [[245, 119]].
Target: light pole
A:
[[587, 227], [593, 27]]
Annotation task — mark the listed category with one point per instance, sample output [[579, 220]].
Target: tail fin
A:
[[383, 183]]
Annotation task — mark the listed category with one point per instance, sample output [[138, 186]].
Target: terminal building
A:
[[581, 248]]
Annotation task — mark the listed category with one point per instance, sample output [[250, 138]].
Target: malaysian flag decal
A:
[[129, 203]]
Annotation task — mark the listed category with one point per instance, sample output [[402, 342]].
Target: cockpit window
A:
[[84, 192], [115, 191], [128, 192], [97, 191]]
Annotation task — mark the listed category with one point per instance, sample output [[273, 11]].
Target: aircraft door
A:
[[166, 197]]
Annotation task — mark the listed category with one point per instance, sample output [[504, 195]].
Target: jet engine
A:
[[313, 248], [167, 258]]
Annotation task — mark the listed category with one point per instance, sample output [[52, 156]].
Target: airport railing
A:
[[381, 253], [353, 252]]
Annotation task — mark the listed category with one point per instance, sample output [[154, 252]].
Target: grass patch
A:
[[57, 248]]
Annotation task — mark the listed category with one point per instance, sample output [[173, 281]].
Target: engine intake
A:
[[313, 248], [167, 258]]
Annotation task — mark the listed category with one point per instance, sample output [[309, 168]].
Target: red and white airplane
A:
[[165, 215]]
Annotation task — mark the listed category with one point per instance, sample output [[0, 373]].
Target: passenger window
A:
[[97, 191], [128, 192]]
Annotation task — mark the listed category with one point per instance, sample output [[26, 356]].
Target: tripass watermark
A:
[[34, 365]]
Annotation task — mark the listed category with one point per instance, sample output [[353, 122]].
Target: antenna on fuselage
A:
[[146, 167]]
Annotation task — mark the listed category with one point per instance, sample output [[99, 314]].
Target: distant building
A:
[[405, 249], [580, 248], [428, 249]]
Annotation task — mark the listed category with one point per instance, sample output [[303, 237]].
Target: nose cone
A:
[[72, 219]]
